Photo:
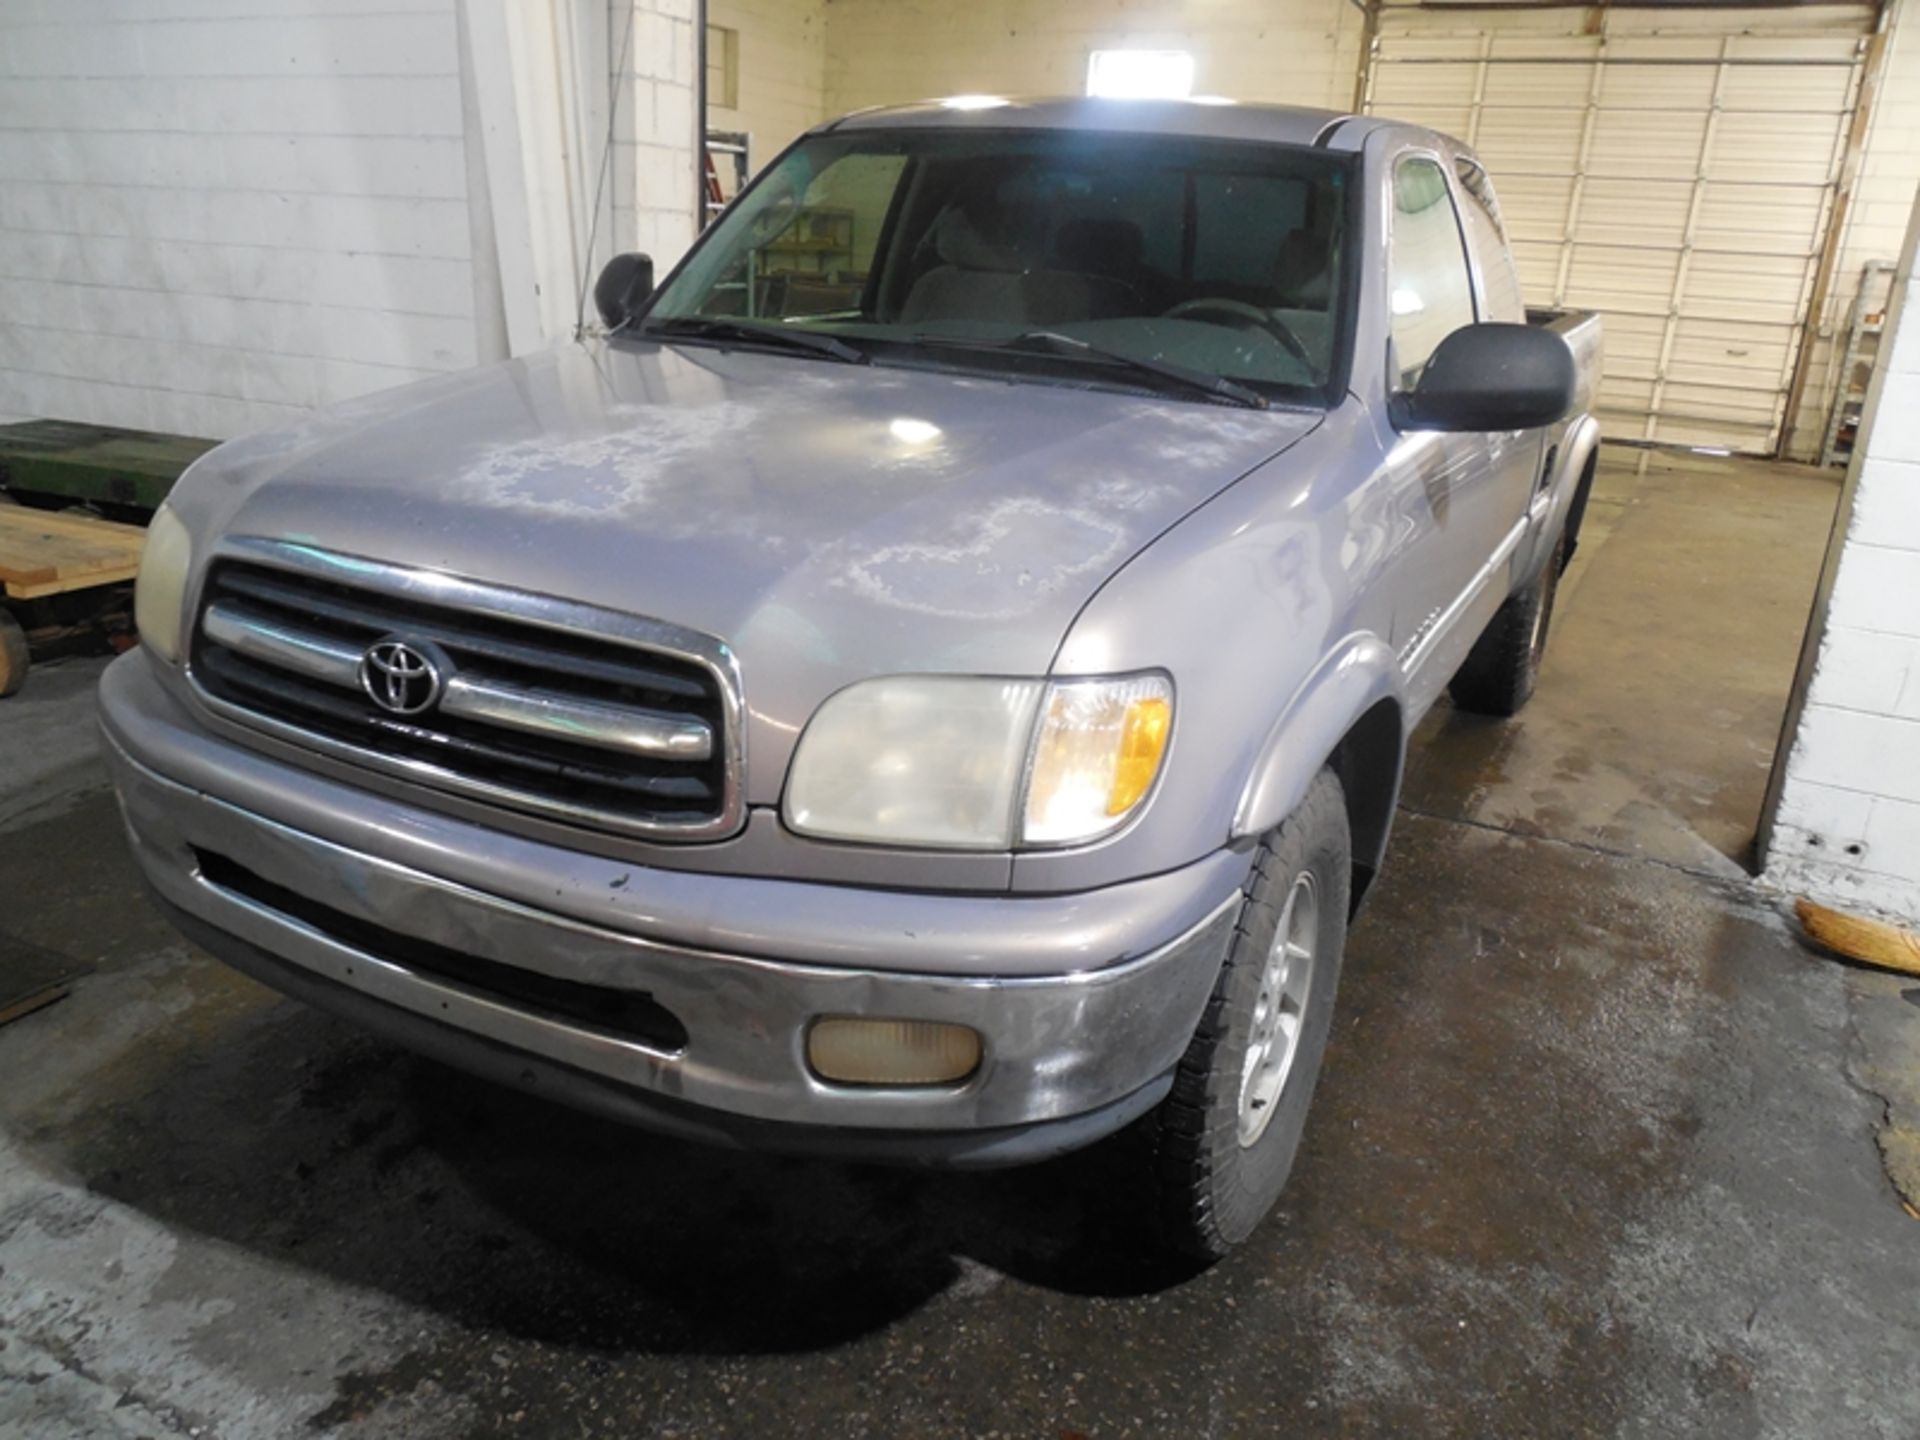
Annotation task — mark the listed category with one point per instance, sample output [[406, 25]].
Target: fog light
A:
[[853, 1051]]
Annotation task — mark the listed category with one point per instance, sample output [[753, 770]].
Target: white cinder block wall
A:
[[1300, 52], [1847, 827], [782, 71], [656, 179], [216, 215]]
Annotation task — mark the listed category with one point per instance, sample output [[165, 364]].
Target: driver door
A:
[[1454, 499]]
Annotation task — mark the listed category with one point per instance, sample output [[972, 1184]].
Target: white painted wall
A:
[[1877, 218], [783, 71], [1848, 824], [216, 215], [1300, 52]]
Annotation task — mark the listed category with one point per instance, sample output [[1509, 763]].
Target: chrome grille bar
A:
[[318, 656], [495, 702], [547, 708], [569, 717]]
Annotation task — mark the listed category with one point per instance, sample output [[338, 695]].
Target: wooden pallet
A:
[[47, 553]]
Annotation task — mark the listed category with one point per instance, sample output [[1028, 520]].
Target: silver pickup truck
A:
[[930, 682]]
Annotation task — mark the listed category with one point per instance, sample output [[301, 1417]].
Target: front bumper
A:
[[334, 894]]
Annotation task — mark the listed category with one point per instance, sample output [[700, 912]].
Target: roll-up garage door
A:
[[1673, 168]]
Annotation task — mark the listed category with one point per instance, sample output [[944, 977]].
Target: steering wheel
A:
[[1238, 315]]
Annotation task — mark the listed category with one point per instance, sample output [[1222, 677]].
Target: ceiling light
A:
[[1140, 74]]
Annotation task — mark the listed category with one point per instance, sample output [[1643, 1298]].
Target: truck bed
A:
[[1581, 330]]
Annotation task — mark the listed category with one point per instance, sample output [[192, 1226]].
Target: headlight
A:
[[1098, 750], [918, 760], [979, 764], [160, 592]]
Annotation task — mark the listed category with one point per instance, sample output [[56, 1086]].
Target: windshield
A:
[[1221, 258]]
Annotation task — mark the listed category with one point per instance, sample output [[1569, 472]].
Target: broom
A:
[[1871, 942]]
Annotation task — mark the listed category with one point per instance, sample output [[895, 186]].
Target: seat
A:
[[985, 274], [1303, 272], [1109, 255]]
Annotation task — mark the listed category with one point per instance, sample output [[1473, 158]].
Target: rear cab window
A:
[[1500, 297]]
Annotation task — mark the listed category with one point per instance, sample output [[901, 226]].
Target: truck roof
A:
[[1206, 116]]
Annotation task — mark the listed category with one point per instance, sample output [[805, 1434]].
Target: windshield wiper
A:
[[1052, 342], [720, 327]]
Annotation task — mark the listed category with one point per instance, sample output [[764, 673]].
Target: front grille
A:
[[623, 1014], [535, 704]]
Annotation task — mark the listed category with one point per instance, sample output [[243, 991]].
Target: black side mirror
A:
[[1491, 376], [623, 287]]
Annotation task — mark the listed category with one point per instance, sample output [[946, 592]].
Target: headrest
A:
[[960, 242], [1100, 247], [1301, 271]]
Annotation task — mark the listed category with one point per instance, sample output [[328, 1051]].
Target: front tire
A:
[[1223, 1142]]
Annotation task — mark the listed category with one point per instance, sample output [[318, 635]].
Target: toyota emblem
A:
[[403, 677]]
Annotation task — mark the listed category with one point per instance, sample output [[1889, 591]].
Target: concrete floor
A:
[[1591, 1156]]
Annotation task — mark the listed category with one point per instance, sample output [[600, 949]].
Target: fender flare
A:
[[1580, 446], [1571, 484], [1359, 674], [1559, 504]]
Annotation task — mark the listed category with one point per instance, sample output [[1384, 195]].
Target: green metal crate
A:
[[96, 463]]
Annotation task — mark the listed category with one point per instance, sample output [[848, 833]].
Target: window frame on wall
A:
[[723, 67]]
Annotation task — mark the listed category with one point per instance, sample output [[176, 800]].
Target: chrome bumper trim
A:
[[1055, 1046]]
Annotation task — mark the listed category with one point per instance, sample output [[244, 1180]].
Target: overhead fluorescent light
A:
[[1140, 74]]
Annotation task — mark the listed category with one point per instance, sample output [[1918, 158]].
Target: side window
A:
[[852, 198], [1430, 292], [817, 262], [1487, 236], [1473, 179]]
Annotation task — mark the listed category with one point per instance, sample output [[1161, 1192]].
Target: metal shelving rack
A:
[[731, 146], [1864, 323]]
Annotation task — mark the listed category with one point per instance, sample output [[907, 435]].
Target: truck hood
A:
[[828, 521]]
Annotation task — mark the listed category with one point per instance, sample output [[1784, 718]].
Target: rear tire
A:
[[1504, 664], [1221, 1145], [13, 655]]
